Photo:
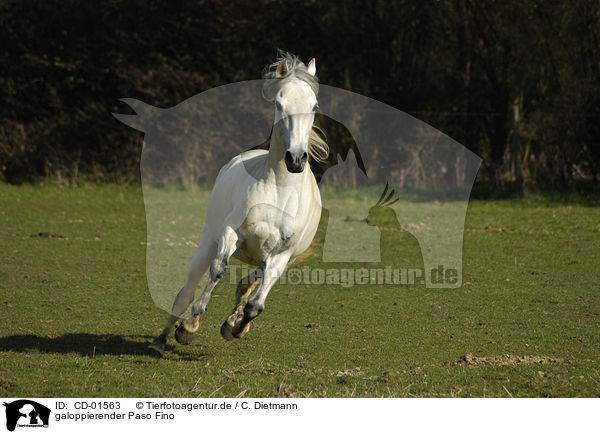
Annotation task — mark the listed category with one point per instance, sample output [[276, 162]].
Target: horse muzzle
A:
[[295, 162]]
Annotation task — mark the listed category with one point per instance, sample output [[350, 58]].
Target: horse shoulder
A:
[[227, 203], [249, 159]]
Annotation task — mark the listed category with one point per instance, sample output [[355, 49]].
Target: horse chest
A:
[[267, 230]]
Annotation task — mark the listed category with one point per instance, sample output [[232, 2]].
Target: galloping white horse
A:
[[264, 208]]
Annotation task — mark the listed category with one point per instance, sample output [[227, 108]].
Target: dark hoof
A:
[[226, 331], [183, 336], [156, 348], [230, 330]]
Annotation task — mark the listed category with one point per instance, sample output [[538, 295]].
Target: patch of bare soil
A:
[[46, 235], [507, 230], [510, 360]]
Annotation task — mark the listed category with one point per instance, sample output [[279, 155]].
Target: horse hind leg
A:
[[198, 266], [244, 288]]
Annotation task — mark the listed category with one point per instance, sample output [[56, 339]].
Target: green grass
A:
[[77, 313]]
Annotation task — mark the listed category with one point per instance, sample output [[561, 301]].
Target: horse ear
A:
[[283, 69], [312, 67]]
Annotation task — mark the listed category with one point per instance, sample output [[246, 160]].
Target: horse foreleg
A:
[[244, 288], [227, 246], [274, 267]]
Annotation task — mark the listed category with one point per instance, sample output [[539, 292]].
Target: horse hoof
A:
[[156, 348], [183, 336], [226, 331], [239, 332], [232, 329]]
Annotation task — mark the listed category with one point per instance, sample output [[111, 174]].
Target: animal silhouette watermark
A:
[[415, 238], [25, 413]]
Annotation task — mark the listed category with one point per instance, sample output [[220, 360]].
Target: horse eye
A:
[[316, 107]]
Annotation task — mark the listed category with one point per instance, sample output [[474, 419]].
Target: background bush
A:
[[516, 82]]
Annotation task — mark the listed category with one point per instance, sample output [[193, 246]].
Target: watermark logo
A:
[[347, 277], [25, 413], [400, 190]]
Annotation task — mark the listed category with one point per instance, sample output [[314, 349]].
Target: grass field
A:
[[77, 313]]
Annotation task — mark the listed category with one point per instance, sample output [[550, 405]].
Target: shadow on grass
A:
[[84, 344]]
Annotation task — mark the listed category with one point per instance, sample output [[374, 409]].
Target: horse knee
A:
[[218, 268], [253, 309]]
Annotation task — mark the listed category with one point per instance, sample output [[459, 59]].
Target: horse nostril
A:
[[288, 157], [304, 156]]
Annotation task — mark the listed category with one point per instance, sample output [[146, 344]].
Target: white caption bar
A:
[[157, 415]]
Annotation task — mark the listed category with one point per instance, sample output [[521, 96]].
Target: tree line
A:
[[518, 83]]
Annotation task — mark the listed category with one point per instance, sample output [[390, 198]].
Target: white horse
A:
[[264, 208]]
